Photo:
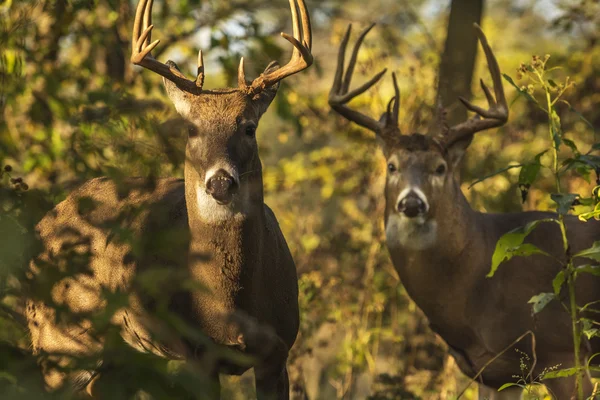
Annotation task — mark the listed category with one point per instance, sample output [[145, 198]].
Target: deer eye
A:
[[441, 169], [192, 131], [392, 168], [251, 131]]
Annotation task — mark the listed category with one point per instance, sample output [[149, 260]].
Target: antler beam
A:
[[142, 46], [301, 56], [340, 95], [497, 113]]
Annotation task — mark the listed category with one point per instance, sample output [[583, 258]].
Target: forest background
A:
[[72, 107]]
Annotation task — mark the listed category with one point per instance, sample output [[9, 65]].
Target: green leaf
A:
[[589, 328], [588, 269], [558, 281], [571, 144], [564, 201], [591, 253], [507, 385], [540, 301], [511, 245], [581, 117], [561, 373], [556, 128], [552, 83], [521, 92], [528, 174]]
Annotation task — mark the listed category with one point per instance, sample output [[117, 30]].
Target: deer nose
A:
[[412, 205], [221, 186]]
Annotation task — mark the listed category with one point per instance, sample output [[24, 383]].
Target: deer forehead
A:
[[417, 159], [226, 106]]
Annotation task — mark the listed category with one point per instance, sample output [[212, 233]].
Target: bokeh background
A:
[[72, 107]]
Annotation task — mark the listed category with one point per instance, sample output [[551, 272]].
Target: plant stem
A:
[[570, 269]]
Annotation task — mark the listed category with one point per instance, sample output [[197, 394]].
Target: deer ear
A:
[[178, 97], [457, 150], [265, 97]]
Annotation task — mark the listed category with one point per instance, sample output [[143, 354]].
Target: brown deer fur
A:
[[442, 249], [210, 230]]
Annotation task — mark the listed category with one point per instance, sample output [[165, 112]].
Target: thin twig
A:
[[501, 353]]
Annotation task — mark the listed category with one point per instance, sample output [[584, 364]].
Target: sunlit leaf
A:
[[558, 281], [507, 385], [591, 253], [511, 245], [564, 201], [540, 301], [561, 373], [521, 92]]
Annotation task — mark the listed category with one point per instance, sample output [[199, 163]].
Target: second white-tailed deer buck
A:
[[442, 249], [219, 235]]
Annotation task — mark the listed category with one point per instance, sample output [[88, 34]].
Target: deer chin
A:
[[212, 211], [417, 233]]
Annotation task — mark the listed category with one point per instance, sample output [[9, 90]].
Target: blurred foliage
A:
[[72, 108]]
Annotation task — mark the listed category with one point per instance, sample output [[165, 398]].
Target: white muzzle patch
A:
[[416, 233], [210, 211]]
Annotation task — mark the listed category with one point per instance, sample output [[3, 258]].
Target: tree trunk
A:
[[458, 59]]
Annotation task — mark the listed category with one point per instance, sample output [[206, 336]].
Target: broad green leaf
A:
[[590, 333], [511, 245], [564, 201], [588, 269], [571, 144], [591, 253], [589, 329], [540, 301], [558, 281], [521, 92], [507, 385], [561, 373], [528, 174], [591, 214]]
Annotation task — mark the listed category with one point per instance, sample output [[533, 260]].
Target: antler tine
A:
[[497, 113], [339, 71], [352, 63], [301, 54], [339, 95], [141, 48], [148, 20], [306, 25], [396, 111]]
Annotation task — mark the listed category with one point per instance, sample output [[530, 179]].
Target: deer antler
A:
[[339, 95], [142, 46], [301, 55], [497, 113]]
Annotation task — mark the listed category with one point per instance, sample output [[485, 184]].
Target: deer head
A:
[[223, 169], [421, 169]]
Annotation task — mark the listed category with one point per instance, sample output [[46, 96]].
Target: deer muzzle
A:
[[412, 205], [221, 186]]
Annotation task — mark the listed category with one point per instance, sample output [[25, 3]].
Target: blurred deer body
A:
[[217, 232], [442, 249]]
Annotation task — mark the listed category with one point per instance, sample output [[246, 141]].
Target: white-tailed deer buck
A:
[[220, 236], [442, 249]]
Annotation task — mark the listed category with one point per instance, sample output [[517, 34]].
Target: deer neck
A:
[[225, 249], [435, 275]]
